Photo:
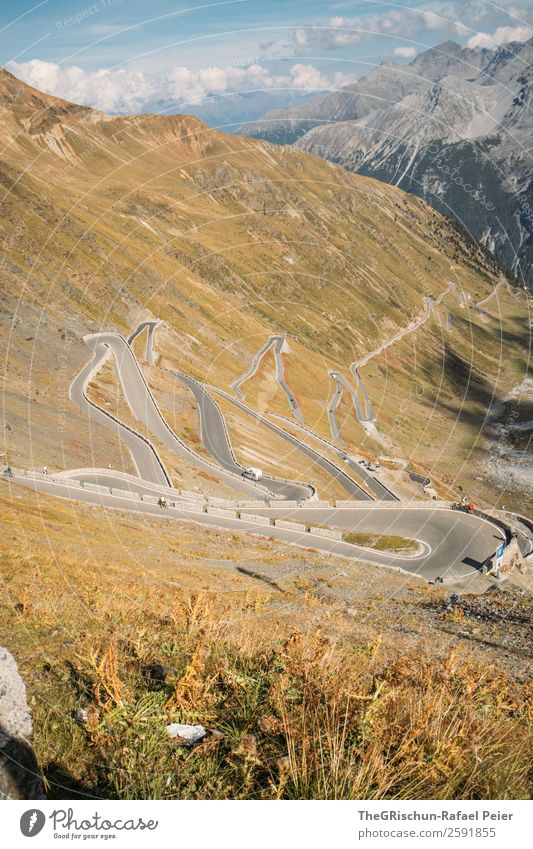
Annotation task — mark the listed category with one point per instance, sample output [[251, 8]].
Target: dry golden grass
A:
[[254, 634], [312, 700], [382, 542], [289, 725]]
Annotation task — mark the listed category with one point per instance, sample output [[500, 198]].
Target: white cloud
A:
[[306, 77], [346, 32], [116, 91], [501, 36], [405, 52], [455, 18], [432, 21], [123, 91], [443, 19]]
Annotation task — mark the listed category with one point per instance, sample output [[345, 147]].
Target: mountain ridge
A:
[[110, 221], [470, 108]]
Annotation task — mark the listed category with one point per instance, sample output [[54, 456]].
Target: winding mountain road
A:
[[143, 406], [149, 352], [277, 342], [377, 487], [213, 431], [363, 411], [215, 437], [145, 458], [336, 473], [451, 544]]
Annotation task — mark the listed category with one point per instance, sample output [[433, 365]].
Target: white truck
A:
[[253, 474]]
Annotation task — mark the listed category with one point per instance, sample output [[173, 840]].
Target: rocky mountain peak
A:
[[475, 103]]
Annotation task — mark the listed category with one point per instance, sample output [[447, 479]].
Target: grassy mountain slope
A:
[[106, 221], [429, 703]]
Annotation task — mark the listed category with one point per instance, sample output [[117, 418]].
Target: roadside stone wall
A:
[[512, 559]]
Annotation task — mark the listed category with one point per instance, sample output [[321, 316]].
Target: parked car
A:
[[253, 473]]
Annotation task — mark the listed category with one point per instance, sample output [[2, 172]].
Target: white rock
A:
[[190, 733]]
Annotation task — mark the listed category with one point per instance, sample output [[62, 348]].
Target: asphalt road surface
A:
[[145, 457], [277, 342], [341, 477], [215, 437], [375, 486], [149, 352], [145, 410], [453, 544]]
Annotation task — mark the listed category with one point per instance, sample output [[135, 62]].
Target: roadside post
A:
[[498, 559]]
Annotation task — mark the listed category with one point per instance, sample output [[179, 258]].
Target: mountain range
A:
[[453, 126], [263, 268], [228, 111], [225, 240]]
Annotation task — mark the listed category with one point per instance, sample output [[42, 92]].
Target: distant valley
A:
[[453, 126]]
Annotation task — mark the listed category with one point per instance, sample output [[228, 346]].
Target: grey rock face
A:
[[15, 717], [454, 127], [19, 773]]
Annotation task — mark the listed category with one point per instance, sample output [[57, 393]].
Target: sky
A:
[[127, 56]]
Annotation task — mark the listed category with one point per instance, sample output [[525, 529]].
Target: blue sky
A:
[[133, 55]]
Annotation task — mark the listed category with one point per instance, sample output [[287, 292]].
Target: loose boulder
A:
[[20, 777]]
